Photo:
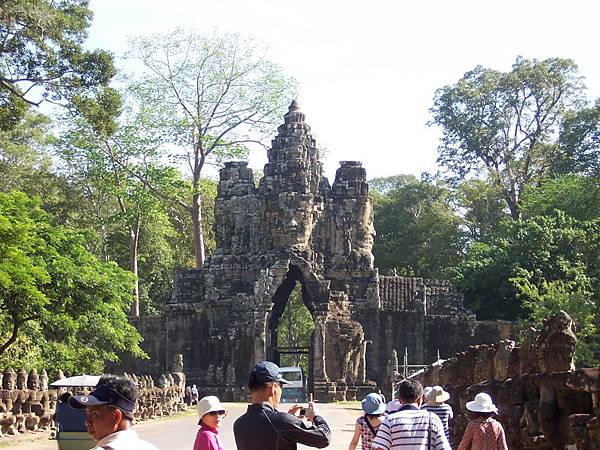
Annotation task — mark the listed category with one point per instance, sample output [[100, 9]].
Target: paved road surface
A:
[[179, 433]]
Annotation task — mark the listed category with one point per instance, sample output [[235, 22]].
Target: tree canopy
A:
[[507, 124], [42, 60], [57, 293], [418, 232]]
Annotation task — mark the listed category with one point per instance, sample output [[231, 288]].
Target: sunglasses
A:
[[216, 413]]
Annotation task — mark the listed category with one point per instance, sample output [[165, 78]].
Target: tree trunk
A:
[[198, 233], [513, 206], [13, 337], [134, 234]]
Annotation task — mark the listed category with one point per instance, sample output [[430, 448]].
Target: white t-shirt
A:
[[123, 440]]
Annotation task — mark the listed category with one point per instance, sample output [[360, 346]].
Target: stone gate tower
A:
[[294, 227]]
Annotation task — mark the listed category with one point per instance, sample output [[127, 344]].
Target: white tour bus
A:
[[295, 391]]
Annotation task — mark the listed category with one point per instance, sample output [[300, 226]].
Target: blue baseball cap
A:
[[267, 372], [103, 395]]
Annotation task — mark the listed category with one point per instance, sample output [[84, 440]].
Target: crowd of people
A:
[[417, 419]]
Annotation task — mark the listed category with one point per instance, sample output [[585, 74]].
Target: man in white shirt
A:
[[411, 428], [109, 414]]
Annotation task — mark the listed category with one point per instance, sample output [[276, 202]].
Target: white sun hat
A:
[[437, 394], [482, 403], [208, 404]]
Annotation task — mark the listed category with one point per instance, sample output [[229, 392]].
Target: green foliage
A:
[[505, 124], [579, 142], [575, 195], [542, 298], [482, 209], [295, 329], [23, 164], [553, 249], [126, 191], [42, 60], [418, 232], [56, 294]]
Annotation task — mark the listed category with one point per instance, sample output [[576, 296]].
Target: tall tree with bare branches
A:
[[209, 97]]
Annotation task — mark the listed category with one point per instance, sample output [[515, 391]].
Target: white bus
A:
[[295, 391]]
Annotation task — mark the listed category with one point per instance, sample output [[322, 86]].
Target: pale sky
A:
[[368, 70]]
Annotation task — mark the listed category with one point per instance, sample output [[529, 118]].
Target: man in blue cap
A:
[[109, 414], [262, 427]]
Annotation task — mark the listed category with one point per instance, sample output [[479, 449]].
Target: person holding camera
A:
[[262, 427]]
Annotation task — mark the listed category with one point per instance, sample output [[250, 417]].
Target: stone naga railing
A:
[[543, 402], [28, 405]]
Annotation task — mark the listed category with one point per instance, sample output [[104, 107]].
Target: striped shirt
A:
[[444, 412], [408, 429]]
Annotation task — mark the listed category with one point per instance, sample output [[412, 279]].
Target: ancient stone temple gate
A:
[[294, 227]]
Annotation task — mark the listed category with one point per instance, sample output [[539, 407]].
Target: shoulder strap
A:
[[429, 431], [370, 426]]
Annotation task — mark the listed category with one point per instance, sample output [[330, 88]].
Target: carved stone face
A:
[[9, 380], [21, 379], [33, 381]]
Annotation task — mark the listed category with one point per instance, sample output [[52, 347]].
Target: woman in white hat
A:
[[211, 413], [435, 399], [367, 425], [483, 431]]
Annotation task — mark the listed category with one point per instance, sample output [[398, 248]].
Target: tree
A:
[[575, 195], [209, 97], [121, 206], [57, 294], [506, 124], [42, 60], [418, 232], [579, 143], [481, 207], [553, 251], [295, 329], [23, 163]]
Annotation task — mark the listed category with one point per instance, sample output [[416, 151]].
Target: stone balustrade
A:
[[543, 402], [27, 404]]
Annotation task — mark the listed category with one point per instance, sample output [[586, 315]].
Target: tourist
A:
[[483, 431], [395, 405], [210, 413], [194, 394], [411, 428], [109, 414], [262, 427], [435, 399], [187, 395], [367, 425]]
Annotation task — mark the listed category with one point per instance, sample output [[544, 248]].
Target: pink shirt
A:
[[483, 434], [207, 439]]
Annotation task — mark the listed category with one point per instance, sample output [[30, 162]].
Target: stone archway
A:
[[281, 299]]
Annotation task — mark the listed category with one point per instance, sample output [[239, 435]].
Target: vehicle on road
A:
[[295, 391]]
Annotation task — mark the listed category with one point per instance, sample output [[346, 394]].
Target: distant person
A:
[[435, 399], [187, 398], [262, 427], [194, 394], [395, 405], [109, 414], [210, 413], [411, 428], [367, 425], [483, 431]]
